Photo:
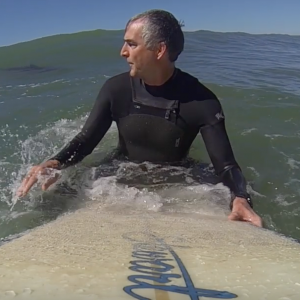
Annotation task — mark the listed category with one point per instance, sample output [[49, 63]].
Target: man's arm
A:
[[96, 126], [219, 149], [220, 152]]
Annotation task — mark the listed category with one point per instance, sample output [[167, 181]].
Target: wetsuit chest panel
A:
[[150, 131], [151, 138]]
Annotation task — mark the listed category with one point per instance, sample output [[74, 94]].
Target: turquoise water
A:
[[48, 86]]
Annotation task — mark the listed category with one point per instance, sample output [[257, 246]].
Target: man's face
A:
[[140, 59]]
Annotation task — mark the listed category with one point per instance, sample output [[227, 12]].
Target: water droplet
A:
[[27, 291], [10, 293]]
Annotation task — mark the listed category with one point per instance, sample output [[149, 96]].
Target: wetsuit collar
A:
[[165, 83]]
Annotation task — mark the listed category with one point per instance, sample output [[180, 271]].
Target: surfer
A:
[[159, 110]]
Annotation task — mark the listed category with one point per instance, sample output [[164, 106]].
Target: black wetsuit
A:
[[159, 124]]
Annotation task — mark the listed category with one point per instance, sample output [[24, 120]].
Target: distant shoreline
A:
[[121, 30]]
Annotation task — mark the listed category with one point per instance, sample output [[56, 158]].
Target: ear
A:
[[161, 51]]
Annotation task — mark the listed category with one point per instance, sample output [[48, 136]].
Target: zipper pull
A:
[[167, 115]]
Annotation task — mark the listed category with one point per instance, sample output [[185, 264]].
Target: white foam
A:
[[247, 131], [108, 191], [179, 197]]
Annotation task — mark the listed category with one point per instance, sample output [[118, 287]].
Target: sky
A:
[[23, 20]]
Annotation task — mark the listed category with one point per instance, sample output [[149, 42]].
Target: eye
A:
[[131, 44]]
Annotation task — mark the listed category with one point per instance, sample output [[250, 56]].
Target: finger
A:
[[49, 182], [250, 218], [25, 180], [258, 222], [32, 180], [33, 172], [234, 216], [254, 219], [22, 189]]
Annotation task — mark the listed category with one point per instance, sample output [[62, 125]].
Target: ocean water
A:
[[48, 87]]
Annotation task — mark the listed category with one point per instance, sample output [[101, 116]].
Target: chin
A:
[[133, 73]]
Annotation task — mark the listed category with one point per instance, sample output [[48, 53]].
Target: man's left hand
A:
[[242, 211]]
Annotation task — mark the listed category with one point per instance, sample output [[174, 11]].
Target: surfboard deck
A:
[[111, 253]]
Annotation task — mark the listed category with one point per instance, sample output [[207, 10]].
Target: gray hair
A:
[[160, 26]]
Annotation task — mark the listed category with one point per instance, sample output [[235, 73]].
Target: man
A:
[[158, 109]]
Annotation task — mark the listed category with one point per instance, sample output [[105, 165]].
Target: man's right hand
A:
[[46, 168]]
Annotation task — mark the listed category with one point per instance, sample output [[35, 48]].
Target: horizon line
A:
[[101, 29]]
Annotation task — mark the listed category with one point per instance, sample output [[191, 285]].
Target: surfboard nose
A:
[[102, 253]]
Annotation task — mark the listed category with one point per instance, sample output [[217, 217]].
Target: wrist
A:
[[53, 163], [241, 199]]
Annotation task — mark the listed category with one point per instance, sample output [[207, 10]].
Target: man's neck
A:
[[161, 77]]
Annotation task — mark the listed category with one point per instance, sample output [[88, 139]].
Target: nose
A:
[[124, 51]]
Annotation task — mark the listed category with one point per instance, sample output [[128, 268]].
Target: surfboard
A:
[[100, 252]]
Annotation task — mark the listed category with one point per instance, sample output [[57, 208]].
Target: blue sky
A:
[[22, 20]]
